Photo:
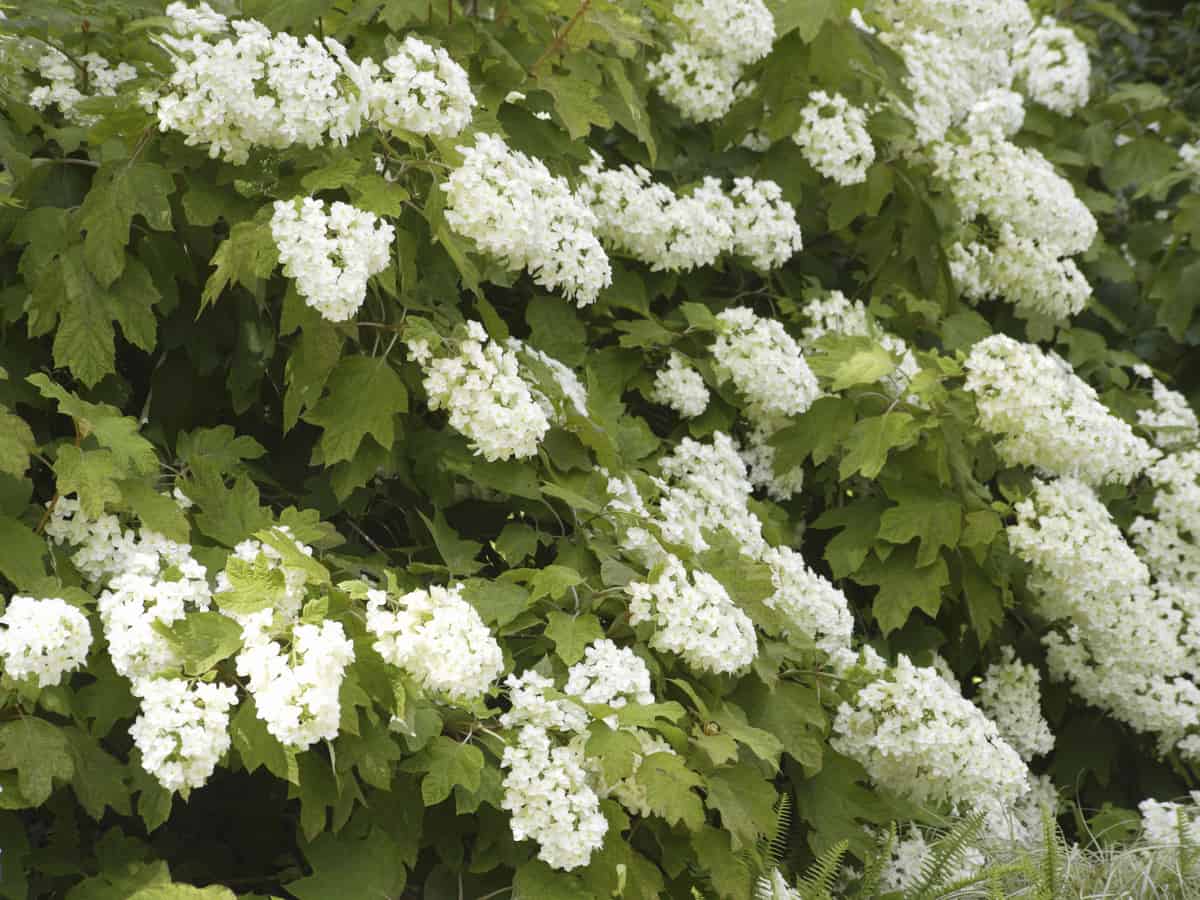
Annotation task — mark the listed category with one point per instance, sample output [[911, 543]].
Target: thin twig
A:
[[560, 39]]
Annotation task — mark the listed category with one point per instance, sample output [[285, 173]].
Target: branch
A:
[[560, 39]]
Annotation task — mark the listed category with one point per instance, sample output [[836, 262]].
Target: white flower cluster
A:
[[515, 210], [917, 736], [182, 730], [43, 639], [1171, 421], [759, 456], [1052, 67], [694, 618], [438, 638], [295, 690], [1022, 271], [1162, 823], [1167, 542], [235, 86], [531, 706], [835, 139], [1085, 574], [331, 255], [681, 387], [101, 79], [547, 790], [424, 91], [609, 675], [1047, 417], [1010, 695], [649, 221], [906, 868], [765, 363], [699, 75], [482, 389], [813, 605], [1019, 187]]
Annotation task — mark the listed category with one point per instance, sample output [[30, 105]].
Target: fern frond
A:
[[777, 844], [873, 868], [946, 855], [1052, 856], [817, 882]]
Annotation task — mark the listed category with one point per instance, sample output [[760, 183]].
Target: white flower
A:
[[1163, 822], [1010, 696], [610, 675], [739, 30], [834, 138], [531, 706], [702, 86], [438, 638], [694, 618], [296, 692], [515, 210], [488, 401], [765, 364], [1171, 420], [1053, 68], [426, 92], [331, 255], [547, 791], [201, 20], [182, 730], [917, 736], [763, 224], [102, 80], [1023, 272], [43, 639], [681, 387], [813, 606], [1047, 417]]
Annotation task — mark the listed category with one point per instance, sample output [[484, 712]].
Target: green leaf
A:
[[22, 554], [218, 450], [253, 586], [818, 433], [458, 553], [447, 763], [575, 101], [16, 443], [365, 395], [228, 515], [158, 512], [923, 513], [537, 881], [872, 439], [516, 542], [616, 750], [119, 192], [859, 522], [572, 633], [790, 711], [853, 361], [497, 602], [556, 329], [352, 863], [246, 257], [807, 16], [39, 752], [1141, 161], [99, 780], [671, 789], [903, 586], [553, 582], [203, 639], [746, 802], [257, 747]]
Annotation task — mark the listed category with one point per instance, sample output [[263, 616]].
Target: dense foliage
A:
[[588, 450]]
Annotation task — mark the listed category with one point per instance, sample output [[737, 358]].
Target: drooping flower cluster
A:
[[1084, 574], [296, 689], [1010, 696], [1016, 186], [487, 399], [1052, 67], [765, 364], [1171, 824], [694, 618], [1047, 417], [610, 675], [700, 73], [438, 638], [182, 730], [236, 86], [649, 221], [101, 78], [834, 138], [331, 255], [1171, 420], [1022, 271], [812, 605], [681, 387], [918, 736], [43, 640], [515, 210]]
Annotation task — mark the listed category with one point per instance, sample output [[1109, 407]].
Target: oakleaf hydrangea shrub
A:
[[462, 449]]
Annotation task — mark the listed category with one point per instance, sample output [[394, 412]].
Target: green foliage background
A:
[[149, 339]]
